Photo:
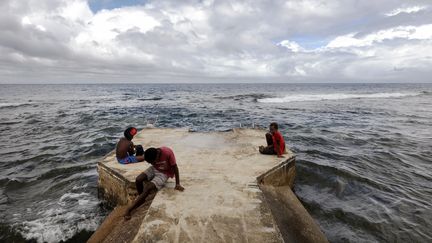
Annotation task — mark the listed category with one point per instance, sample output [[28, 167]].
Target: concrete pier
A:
[[231, 193]]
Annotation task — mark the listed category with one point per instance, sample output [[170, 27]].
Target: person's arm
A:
[[277, 146], [131, 149], [177, 178]]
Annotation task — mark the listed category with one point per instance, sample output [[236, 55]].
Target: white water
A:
[[334, 96], [12, 104], [58, 222]]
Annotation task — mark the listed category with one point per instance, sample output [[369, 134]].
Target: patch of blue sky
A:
[[97, 5], [309, 42]]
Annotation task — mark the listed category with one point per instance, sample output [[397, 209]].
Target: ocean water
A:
[[364, 151]]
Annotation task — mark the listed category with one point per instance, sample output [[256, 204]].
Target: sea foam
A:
[[59, 222], [334, 96], [11, 105]]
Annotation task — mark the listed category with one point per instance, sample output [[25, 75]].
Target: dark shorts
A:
[[268, 150]]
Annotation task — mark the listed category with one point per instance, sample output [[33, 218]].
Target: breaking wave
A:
[[13, 105], [59, 222], [254, 97], [335, 96]]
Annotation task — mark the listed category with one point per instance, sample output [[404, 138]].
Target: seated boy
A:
[[163, 166], [125, 148], [275, 142]]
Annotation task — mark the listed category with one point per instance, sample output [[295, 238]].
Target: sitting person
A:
[[163, 166], [125, 148], [275, 142]]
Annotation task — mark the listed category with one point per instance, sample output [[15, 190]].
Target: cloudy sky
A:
[[76, 41]]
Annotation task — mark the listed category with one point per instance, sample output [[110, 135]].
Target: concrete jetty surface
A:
[[226, 182]]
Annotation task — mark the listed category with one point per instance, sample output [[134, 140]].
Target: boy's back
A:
[[278, 139], [125, 148], [122, 148]]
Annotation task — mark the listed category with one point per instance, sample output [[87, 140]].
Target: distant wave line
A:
[[334, 96], [7, 105]]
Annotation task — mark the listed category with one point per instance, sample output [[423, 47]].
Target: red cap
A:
[[133, 131]]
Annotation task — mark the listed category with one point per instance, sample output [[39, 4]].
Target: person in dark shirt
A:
[[275, 142], [125, 148]]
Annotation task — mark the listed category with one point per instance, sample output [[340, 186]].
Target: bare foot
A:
[[179, 188], [127, 216]]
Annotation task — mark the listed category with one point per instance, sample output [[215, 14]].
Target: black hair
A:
[[130, 132], [150, 155], [275, 125], [139, 150]]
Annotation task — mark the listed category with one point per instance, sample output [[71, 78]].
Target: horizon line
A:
[[104, 83]]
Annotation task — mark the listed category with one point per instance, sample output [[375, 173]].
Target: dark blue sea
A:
[[364, 151]]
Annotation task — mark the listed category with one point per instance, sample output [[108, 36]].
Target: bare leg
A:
[[140, 199], [139, 182], [269, 139], [269, 148]]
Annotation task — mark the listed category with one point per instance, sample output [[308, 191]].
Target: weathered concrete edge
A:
[[276, 176], [108, 193], [262, 179], [277, 183]]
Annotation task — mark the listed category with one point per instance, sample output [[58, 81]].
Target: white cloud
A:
[[98, 36], [291, 45], [312, 8], [422, 32], [26, 21], [75, 10], [58, 39], [413, 9]]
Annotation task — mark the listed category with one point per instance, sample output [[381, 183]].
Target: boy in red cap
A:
[[125, 148], [275, 142]]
